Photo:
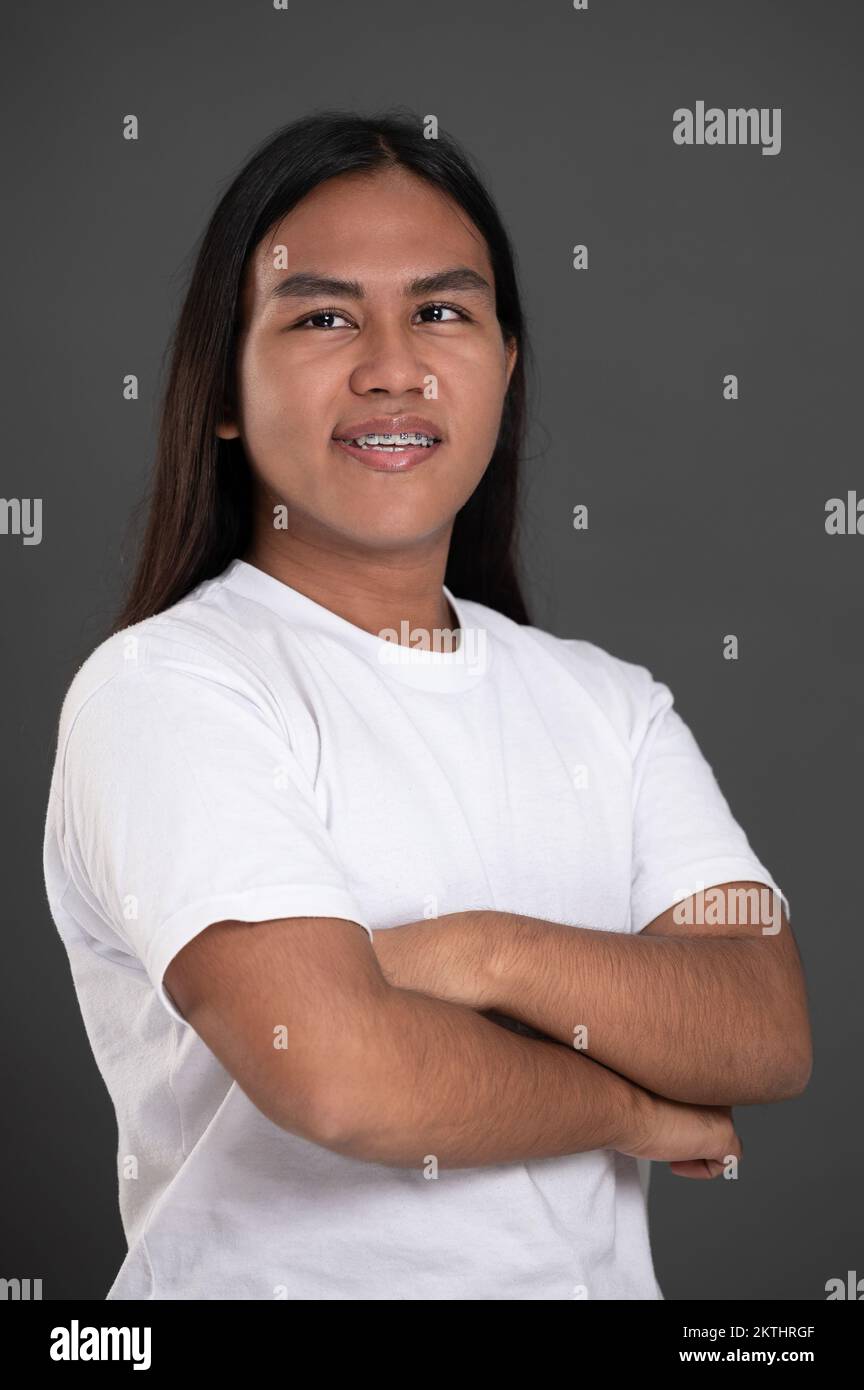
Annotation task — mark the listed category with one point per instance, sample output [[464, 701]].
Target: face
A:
[[318, 364]]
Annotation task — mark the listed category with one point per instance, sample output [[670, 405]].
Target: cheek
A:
[[282, 400], [480, 398], [266, 375]]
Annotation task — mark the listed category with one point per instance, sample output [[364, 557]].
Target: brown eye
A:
[[323, 314], [449, 308]]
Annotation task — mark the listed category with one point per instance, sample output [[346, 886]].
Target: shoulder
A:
[[193, 648], [624, 693]]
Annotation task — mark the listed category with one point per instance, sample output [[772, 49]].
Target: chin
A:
[[382, 533]]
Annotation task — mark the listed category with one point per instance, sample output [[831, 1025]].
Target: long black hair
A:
[[200, 503]]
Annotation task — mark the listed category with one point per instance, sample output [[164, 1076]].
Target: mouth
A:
[[391, 452]]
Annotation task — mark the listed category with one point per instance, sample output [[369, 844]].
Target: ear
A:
[[227, 429]]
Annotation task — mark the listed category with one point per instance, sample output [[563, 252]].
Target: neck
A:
[[374, 591]]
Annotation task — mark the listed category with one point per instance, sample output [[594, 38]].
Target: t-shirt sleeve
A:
[[184, 804], [685, 837]]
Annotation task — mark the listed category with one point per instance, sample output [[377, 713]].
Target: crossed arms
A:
[[711, 1015], [389, 1057]]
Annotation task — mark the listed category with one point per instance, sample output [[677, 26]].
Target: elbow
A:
[[799, 1074], [791, 1075], [790, 1049], [799, 1078], [357, 1130], [322, 1119], [348, 1105], [784, 1075], [332, 1123]]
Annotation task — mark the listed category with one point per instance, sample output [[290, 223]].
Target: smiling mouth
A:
[[392, 443], [390, 453]]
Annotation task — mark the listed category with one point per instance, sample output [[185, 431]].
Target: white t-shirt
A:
[[248, 754]]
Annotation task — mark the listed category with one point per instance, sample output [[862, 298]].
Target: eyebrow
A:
[[307, 284]]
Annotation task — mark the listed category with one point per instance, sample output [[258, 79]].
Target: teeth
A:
[[393, 442]]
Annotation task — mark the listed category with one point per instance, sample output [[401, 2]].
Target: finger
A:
[[694, 1168]]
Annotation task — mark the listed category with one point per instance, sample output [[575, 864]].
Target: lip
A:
[[382, 462], [379, 459], [388, 424]]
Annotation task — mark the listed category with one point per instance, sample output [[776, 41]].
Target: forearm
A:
[[693, 1020], [433, 1078]]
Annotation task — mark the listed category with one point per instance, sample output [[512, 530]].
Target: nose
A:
[[388, 359]]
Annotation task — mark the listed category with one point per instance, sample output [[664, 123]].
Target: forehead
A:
[[380, 228]]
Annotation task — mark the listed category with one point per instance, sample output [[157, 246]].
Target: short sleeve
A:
[[184, 804], [685, 837]]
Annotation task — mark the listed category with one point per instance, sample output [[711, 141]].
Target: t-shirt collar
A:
[[423, 669]]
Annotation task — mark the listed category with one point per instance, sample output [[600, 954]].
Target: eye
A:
[[317, 320], [323, 314], [447, 308]]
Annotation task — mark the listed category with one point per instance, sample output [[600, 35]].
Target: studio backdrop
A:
[[681, 185]]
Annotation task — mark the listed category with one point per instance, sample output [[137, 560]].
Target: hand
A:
[[441, 956], [694, 1139]]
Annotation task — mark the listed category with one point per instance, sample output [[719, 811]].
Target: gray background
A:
[[706, 517]]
